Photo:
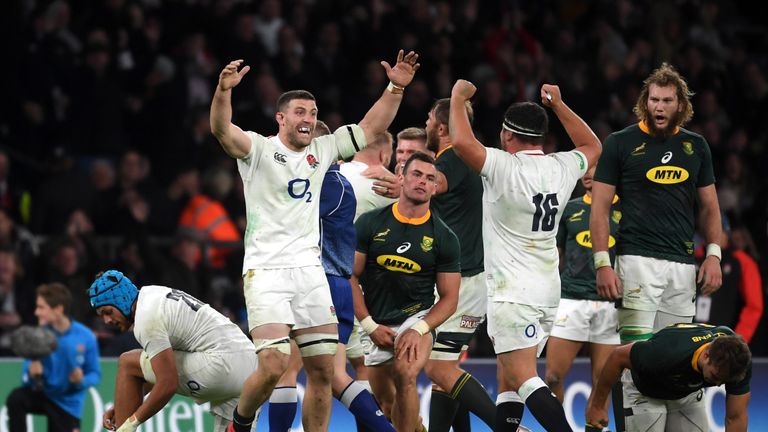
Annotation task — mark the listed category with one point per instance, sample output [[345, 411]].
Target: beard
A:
[[433, 141], [666, 132]]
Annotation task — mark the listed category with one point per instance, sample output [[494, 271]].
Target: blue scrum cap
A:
[[112, 288]]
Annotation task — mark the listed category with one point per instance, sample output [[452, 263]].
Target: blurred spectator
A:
[[21, 241], [17, 300], [735, 190], [55, 385], [11, 196]]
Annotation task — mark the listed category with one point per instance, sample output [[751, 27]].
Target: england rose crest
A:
[[312, 161]]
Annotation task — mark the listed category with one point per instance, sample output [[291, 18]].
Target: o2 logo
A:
[[299, 188], [530, 331]]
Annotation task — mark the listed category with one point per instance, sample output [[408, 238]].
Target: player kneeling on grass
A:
[[187, 348]]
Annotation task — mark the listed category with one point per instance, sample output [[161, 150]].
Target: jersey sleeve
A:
[[452, 168], [349, 140], [574, 162], [647, 358], [494, 159], [247, 165], [448, 250], [150, 331], [363, 230], [608, 165], [707, 172]]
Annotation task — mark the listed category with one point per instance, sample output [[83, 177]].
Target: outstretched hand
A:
[[404, 70], [463, 89], [230, 77]]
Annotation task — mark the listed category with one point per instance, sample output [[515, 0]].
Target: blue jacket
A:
[[77, 348]]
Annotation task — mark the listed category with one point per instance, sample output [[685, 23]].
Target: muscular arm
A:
[[580, 133], [232, 139], [164, 365], [710, 275], [736, 412], [617, 361], [466, 146], [361, 311], [599, 228], [448, 288]]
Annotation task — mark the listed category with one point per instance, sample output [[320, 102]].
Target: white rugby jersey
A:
[[282, 197], [169, 318], [367, 199], [523, 199]]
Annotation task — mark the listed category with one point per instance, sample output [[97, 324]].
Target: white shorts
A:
[[209, 377], [454, 334], [647, 414], [378, 355], [514, 326], [359, 343], [652, 284], [299, 297], [587, 321]]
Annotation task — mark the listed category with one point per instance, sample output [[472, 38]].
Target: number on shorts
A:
[[298, 188], [192, 302], [546, 209]]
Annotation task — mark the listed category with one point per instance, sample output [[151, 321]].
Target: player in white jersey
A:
[[285, 288], [524, 190], [187, 348]]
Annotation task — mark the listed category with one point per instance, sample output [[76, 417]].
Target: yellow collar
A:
[[588, 199], [696, 355], [442, 151], [412, 221], [644, 127]]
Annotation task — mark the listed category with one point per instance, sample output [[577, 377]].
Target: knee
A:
[[404, 376], [320, 372], [553, 379], [273, 364]]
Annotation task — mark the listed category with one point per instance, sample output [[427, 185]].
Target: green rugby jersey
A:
[[403, 257], [664, 366], [577, 280], [461, 208], [657, 180]]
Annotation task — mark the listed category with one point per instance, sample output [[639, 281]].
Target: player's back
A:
[[170, 318], [524, 194]]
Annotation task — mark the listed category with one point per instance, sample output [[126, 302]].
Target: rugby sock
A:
[[509, 412], [282, 408], [617, 399], [473, 396], [364, 407], [544, 405], [240, 423], [360, 426], [442, 409], [461, 420], [365, 384]]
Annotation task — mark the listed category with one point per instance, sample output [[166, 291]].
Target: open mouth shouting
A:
[[304, 131]]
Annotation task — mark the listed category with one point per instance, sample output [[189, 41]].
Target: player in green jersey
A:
[[660, 170], [403, 252], [582, 315], [667, 374]]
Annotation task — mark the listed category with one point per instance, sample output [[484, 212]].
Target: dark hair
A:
[[731, 355], [442, 110], [665, 76], [288, 96], [56, 294], [528, 121], [420, 157], [321, 129]]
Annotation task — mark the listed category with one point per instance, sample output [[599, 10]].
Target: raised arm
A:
[[381, 114], [466, 146], [710, 275], [580, 133], [597, 405], [234, 141], [164, 365]]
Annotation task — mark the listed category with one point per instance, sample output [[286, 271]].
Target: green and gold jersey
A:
[[461, 208], [657, 180], [403, 258], [577, 279], [665, 366]]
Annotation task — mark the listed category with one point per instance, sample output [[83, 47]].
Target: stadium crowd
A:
[[107, 159]]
